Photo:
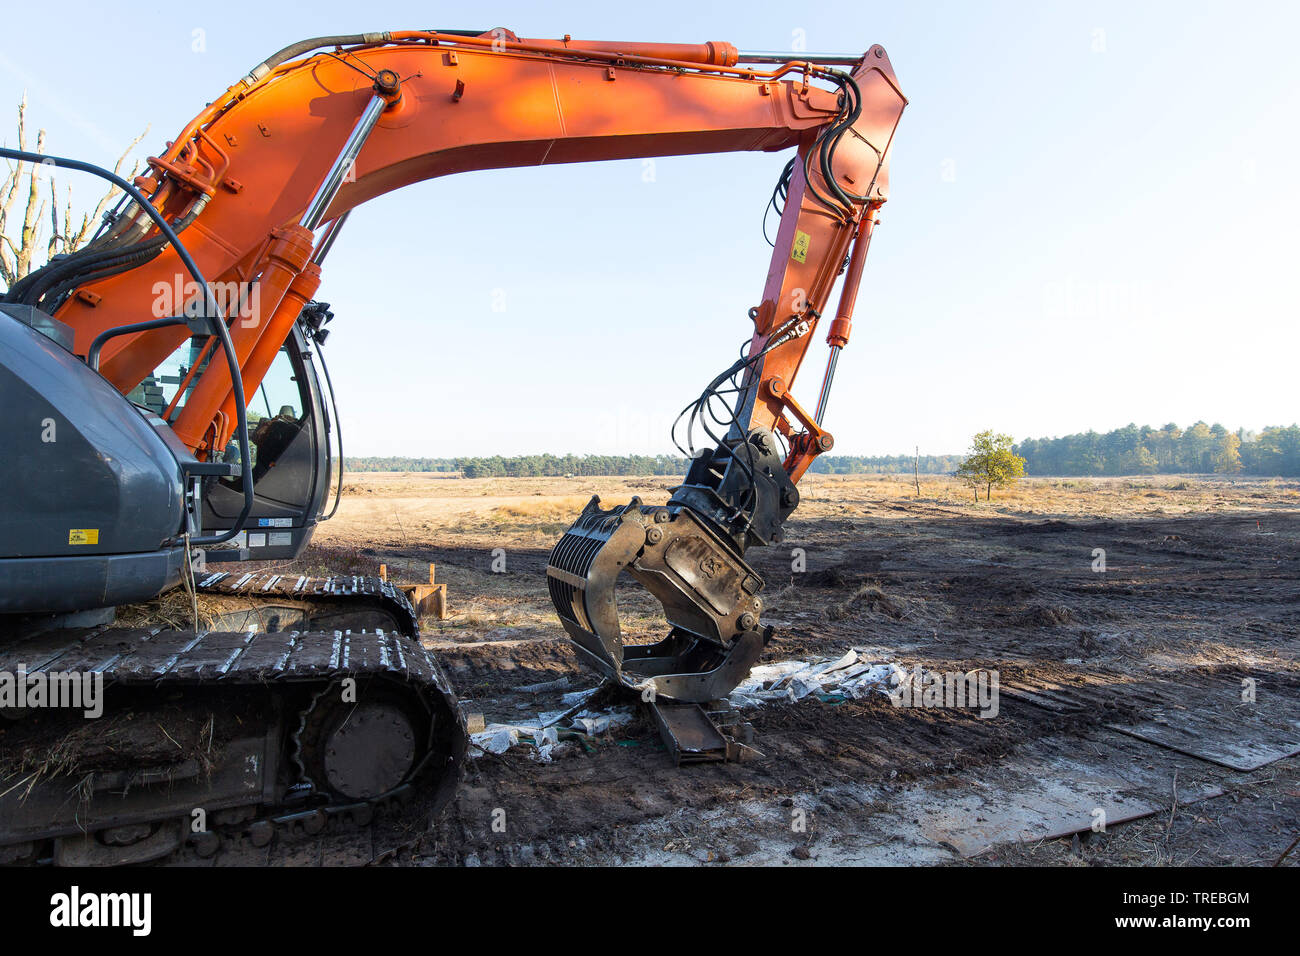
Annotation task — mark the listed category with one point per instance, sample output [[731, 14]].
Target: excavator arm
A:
[[258, 184]]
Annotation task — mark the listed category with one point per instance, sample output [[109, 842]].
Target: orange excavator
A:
[[169, 415]]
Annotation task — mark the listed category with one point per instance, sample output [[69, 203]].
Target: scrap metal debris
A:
[[845, 678], [849, 677], [545, 731]]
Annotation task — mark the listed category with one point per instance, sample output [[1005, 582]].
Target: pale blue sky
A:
[[1093, 221]]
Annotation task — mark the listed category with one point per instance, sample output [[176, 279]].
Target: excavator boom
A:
[[217, 252], [258, 164]]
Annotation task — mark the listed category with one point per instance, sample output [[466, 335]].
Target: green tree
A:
[[1198, 448], [1227, 454], [991, 461], [1139, 462]]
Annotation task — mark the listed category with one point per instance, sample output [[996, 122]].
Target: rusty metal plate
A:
[[1056, 789], [688, 733]]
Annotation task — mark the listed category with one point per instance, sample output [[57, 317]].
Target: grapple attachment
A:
[[709, 595]]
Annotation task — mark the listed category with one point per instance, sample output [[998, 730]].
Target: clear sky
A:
[[1094, 219]]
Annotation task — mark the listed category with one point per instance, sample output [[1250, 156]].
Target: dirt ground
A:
[[1201, 584]]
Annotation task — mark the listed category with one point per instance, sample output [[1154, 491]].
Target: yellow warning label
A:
[[83, 536], [799, 251]]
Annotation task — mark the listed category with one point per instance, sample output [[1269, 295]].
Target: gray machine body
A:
[[95, 492], [93, 502]]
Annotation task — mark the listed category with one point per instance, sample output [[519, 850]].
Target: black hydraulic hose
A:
[[53, 300], [306, 46], [80, 267], [73, 273], [338, 428], [825, 145], [56, 270], [52, 297], [812, 186], [211, 308], [837, 132], [782, 192], [351, 39], [108, 223]]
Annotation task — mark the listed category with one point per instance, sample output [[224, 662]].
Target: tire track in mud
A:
[[582, 805], [959, 590], [1010, 594]]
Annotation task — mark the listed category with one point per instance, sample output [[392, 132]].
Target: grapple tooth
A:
[[581, 574], [709, 596]]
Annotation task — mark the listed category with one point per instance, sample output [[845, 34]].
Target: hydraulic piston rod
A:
[[326, 242], [782, 56], [838, 337], [385, 91]]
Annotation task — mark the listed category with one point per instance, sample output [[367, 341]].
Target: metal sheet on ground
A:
[[1201, 715], [1218, 726], [1049, 790], [1054, 790]]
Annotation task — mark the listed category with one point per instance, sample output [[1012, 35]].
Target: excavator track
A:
[[209, 740], [266, 601]]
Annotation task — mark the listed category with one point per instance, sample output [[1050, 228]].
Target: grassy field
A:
[[406, 520]]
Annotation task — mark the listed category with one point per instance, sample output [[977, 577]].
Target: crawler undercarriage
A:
[[321, 709]]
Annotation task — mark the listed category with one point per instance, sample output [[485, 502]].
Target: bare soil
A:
[[1201, 577]]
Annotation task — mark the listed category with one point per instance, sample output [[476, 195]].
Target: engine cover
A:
[[92, 494]]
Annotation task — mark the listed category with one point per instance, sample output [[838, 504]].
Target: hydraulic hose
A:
[[212, 310], [306, 46]]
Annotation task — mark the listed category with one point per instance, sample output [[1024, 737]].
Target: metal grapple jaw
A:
[[709, 595]]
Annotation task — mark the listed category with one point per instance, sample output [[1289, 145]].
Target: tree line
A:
[[1131, 450], [399, 463], [885, 464], [1144, 450], [528, 466], [558, 466]]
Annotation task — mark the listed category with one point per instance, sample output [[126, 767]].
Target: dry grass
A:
[[122, 740], [172, 610], [406, 520], [1057, 497], [872, 598], [544, 508]]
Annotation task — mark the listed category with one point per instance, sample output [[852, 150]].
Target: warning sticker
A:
[[799, 251], [83, 536]]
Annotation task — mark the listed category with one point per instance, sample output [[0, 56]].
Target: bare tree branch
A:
[[8, 193], [91, 221], [32, 213], [56, 235], [15, 173], [17, 252]]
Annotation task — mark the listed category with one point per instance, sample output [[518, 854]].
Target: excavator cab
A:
[[289, 429], [115, 546], [289, 433]]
